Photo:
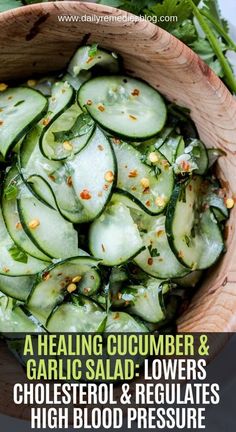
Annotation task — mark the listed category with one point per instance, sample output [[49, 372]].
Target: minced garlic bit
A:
[[145, 182], [153, 157], [109, 176], [31, 83], [3, 86], [76, 279], [71, 288], [133, 173], [160, 201], [229, 203], [67, 145], [34, 224]]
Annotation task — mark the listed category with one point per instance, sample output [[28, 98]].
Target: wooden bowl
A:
[[33, 41]]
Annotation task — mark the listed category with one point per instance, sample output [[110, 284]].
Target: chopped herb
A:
[[93, 50], [153, 252], [19, 103], [83, 124], [11, 191], [18, 254]]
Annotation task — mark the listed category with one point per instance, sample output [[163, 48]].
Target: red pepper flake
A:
[[52, 177], [133, 173], [1, 122], [89, 102], [101, 108], [106, 187], [18, 226], [180, 254], [85, 194], [69, 181], [190, 187], [150, 261], [103, 248], [6, 269], [146, 191], [132, 117], [135, 92], [46, 276], [148, 203], [86, 290], [116, 316], [100, 147]]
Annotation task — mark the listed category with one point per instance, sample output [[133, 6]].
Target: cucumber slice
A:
[[213, 155], [13, 319], [55, 174], [151, 184], [124, 106], [17, 287], [12, 218], [172, 147], [147, 301], [216, 203], [51, 287], [20, 109], [190, 280], [12, 266], [157, 259], [192, 230], [86, 57], [67, 134], [47, 229], [80, 316], [114, 237], [93, 176], [122, 322]]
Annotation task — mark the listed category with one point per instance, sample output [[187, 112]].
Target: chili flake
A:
[[71, 288], [133, 173], [85, 194], [135, 92], [132, 117], [34, 224], [101, 108]]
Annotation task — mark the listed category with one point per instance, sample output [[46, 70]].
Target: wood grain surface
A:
[[34, 42]]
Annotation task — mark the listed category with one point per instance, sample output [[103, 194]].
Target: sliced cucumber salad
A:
[[110, 206]]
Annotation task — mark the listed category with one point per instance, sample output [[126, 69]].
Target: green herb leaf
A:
[[18, 254], [93, 50], [11, 191], [83, 124], [186, 32]]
